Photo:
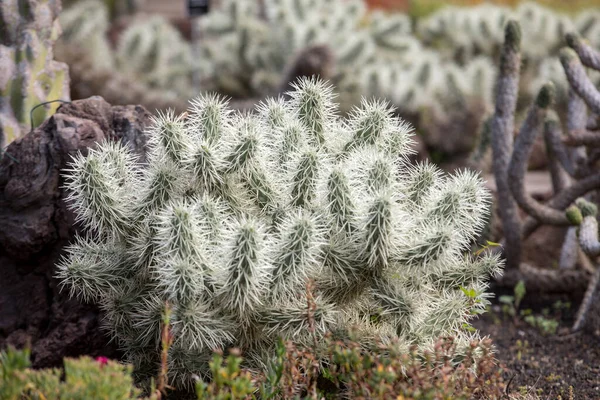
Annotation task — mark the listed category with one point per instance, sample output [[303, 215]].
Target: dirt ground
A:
[[544, 364]]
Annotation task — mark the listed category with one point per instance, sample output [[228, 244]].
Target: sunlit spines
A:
[[244, 144], [305, 170], [446, 314], [392, 299], [168, 138], [418, 181], [160, 183], [274, 112], [378, 230], [208, 118], [312, 100], [370, 123], [291, 139], [181, 263], [197, 327], [429, 242], [244, 267], [299, 249], [212, 212], [206, 163], [291, 319], [97, 191], [338, 198], [473, 270], [373, 171], [90, 270]]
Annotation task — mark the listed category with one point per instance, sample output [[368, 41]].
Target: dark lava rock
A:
[[35, 224]]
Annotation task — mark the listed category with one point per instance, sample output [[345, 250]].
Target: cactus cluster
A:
[[235, 214], [379, 53], [462, 34], [374, 54], [572, 163], [154, 50], [260, 41], [149, 51], [29, 75]]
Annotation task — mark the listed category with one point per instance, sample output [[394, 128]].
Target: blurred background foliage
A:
[[419, 8]]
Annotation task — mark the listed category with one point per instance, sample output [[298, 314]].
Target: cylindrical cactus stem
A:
[[593, 123], [587, 54], [587, 301], [588, 240], [502, 138], [578, 79], [576, 120], [562, 200], [588, 229], [570, 250], [518, 164], [560, 163], [583, 138], [30, 76]]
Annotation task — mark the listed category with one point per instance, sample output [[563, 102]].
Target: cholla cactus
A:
[[573, 168], [461, 34], [584, 215], [29, 75], [86, 23], [234, 213], [150, 51], [155, 51], [260, 46], [543, 30]]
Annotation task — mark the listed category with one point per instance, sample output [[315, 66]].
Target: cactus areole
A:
[[234, 213]]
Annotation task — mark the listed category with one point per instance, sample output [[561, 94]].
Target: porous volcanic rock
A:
[[35, 224]]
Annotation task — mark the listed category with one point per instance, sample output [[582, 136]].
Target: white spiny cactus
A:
[[235, 213], [149, 49], [155, 50], [86, 23]]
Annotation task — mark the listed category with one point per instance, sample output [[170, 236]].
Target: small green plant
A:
[[544, 323], [546, 326], [228, 381], [353, 371], [83, 378], [522, 348], [510, 304]]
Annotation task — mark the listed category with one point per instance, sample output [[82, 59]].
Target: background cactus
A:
[[373, 54], [437, 71], [260, 45], [85, 24], [154, 51], [149, 51], [29, 75], [573, 167], [235, 212], [462, 33]]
